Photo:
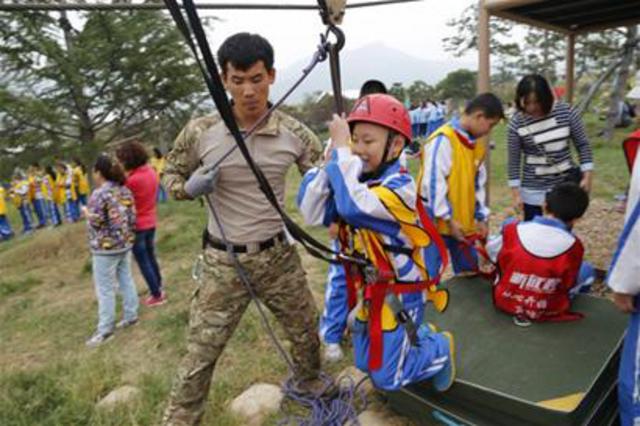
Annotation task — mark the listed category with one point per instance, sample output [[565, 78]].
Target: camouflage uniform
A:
[[221, 298]]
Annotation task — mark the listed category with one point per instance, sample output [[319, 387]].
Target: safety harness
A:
[[377, 282]]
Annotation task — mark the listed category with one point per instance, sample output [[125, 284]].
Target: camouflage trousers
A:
[[218, 305]]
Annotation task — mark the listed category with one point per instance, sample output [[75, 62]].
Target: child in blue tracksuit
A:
[[367, 190], [623, 280], [333, 321]]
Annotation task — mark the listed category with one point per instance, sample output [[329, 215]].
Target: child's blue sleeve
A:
[[356, 203], [315, 198]]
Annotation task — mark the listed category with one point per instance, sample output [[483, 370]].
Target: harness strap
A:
[[475, 241], [376, 293]]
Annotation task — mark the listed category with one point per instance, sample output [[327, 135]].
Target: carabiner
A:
[[196, 270], [338, 34]]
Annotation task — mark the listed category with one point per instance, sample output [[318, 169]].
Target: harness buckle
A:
[[196, 269], [371, 274]]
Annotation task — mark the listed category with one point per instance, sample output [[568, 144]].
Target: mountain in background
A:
[[358, 65]]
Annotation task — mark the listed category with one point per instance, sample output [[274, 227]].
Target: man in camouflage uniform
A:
[[249, 222]]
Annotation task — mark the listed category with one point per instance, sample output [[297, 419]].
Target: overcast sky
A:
[[415, 28]]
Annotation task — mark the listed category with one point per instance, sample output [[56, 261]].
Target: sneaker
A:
[[97, 339], [333, 352], [153, 301], [521, 321], [126, 323], [444, 379]]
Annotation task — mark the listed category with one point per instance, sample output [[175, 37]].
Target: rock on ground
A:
[[122, 395], [256, 403], [352, 373]]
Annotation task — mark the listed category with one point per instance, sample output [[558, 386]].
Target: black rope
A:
[[214, 83]]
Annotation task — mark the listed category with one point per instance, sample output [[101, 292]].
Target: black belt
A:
[[209, 241]]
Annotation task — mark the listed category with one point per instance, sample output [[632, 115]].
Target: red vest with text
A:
[[533, 286]]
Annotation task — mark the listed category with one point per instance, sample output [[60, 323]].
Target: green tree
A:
[[398, 91], [465, 38], [75, 84], [419, 91], [458, 85]]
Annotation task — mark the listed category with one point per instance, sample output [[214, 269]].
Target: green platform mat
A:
[[549, 373]]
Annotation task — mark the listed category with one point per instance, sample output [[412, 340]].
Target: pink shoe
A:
[[153, 301]]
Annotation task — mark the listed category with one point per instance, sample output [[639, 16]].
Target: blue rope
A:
[[337, 410]]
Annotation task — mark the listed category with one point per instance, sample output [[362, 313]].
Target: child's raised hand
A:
[[339, 131]]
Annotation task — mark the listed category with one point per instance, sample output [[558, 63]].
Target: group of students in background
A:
[[426, 117], [120, 214], [44, 196], [52, 195]]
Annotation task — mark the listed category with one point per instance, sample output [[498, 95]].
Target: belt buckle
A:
[[253, 248]]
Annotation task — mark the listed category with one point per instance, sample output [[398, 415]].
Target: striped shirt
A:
[[544, 145]]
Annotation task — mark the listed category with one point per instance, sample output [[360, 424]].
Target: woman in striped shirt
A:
[[538, 141]]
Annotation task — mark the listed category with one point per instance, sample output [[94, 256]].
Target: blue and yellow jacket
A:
[[452, 178], [381, 220]]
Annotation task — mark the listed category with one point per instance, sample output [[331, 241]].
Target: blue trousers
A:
[[40, 207], [107, 270], [162, 194], [54, 213], [71, 210], [464, 258], [333, 321], [415, 130], [82, 199], [431, 127], [144, 252], [5, 228], [402, 363], [25, 214], [629, 375], [423, 129]]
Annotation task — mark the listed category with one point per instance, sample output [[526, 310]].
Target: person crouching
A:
[[366, 188]]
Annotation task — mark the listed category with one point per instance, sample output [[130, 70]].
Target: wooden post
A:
[[483, 48], [484, 82], [570, 73]]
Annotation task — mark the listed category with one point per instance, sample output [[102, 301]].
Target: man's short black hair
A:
[[243, 50], [534, 83], [371, 87], [567, 201], [487, 103]]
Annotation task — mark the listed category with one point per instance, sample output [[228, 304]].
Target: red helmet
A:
[[384, 110]]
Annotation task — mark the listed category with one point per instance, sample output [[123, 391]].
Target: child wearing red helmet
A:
[[366, 188]]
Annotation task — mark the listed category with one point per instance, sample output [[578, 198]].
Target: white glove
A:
[[201, 182]]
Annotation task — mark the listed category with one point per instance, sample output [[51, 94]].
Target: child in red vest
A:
[[540, 263]]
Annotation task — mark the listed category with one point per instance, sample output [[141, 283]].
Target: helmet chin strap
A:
[[379, 171]]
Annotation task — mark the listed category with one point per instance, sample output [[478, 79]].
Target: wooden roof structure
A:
[[570, 17]]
